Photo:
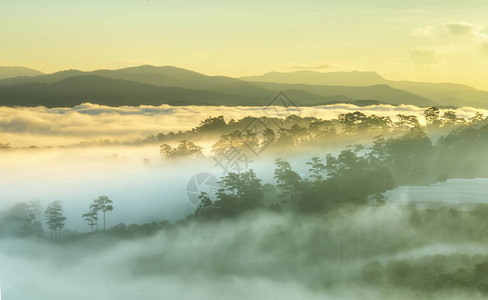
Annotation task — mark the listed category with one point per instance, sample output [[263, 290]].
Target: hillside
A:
[[381, 93], [171, 85], [8, 72], [354, 78], [115, 92], [166, 76], [162, 76], [444, 94]]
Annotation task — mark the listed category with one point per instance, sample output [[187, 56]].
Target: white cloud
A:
[[312, 67], [426, 32], [40, 126], [424, 56], [259, 256], [477, 33], [461, 28]]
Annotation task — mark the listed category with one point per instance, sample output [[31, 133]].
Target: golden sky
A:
[[438, 41]]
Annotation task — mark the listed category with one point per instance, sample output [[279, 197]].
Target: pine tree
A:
[[92, 218], [288, 181], [103, 204], [55, 218]]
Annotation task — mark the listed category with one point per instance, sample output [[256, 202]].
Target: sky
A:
[[435, 41]]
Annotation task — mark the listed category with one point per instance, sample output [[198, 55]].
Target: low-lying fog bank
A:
[[40, 126], [258, 256], [453, 192], [146, 188], [322, 231], [143, 186]]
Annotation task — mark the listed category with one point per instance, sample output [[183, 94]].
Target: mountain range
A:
[[150, 85], [7, 72], [444, 94]]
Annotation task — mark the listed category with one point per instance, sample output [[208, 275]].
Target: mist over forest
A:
[[70, 126], [335, 201], [237, 150]]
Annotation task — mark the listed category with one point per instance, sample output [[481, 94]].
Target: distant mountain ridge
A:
[[444, 94], [96, 89], [8, 72], [353, 78], [381, 92], [79, 89], [163, 76], [151, 85]]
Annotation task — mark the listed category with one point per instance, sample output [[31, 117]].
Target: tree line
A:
[[357, 175], [24, 219], [294, 130]]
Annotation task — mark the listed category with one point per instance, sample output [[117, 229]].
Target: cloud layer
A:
[[424, 56], [40, 126], [263, 256], [460, 28], [454, 38]]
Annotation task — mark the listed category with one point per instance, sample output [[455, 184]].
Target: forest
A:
[[336, 216]]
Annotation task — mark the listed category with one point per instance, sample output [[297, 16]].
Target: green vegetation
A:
[[22, 220], [149, 85], [184, 150], [55, 219], [11, 72], [357, 175], [296, 131], [445, 94], [329, 227]]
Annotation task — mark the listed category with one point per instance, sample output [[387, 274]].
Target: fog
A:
[[40, 126], [259, 256], [143, 191], [453, 192], [147, 188]]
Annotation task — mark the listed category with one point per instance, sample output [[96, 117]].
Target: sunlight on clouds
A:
[[424, 56], [40, 126], [427, 32], [460, 28]]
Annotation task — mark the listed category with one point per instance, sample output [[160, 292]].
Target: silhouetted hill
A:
[[444, 94], [161, 76], [319, 87], [168, 76], [8, 72], [116, 92], [236, 90], [381, 93], [45, 78], [354, 78]]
